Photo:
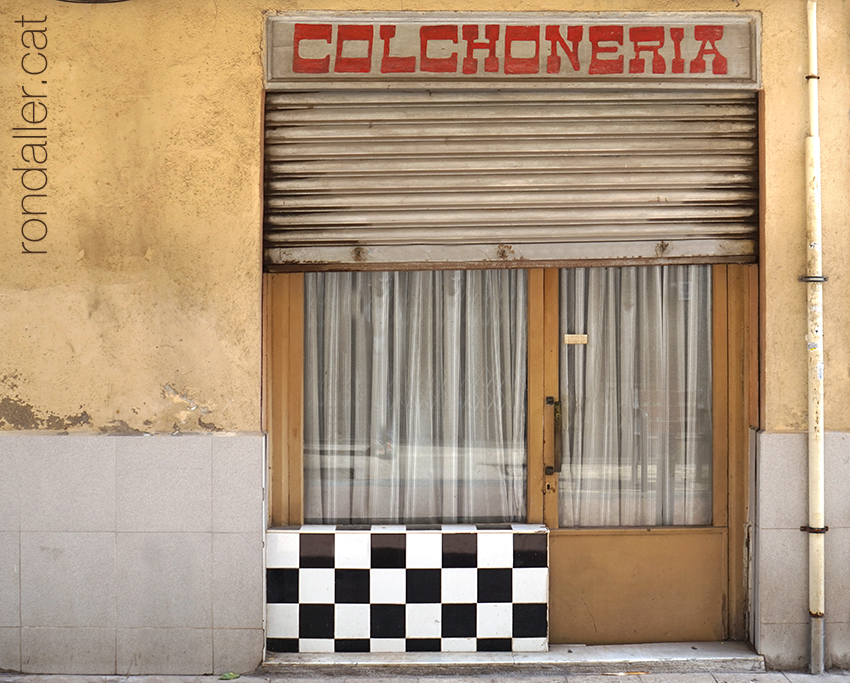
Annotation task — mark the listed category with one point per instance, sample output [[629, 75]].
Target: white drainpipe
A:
[[815, 279]]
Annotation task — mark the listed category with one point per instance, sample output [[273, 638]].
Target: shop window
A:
[[414, 397]]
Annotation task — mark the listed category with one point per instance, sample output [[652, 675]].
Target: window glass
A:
[[415, 397]]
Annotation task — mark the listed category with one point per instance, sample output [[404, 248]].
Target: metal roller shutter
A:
[[434, 179]]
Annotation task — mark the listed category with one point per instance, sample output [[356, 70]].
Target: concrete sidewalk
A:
[[714, 662], [683, 657], [447, 676]]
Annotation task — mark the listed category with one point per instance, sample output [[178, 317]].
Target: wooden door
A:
[[650, 583]]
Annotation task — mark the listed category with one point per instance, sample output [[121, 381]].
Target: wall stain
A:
[[10, 381], [54, 552], [19, 414], [208, 426], [120, 428], [56, 422]]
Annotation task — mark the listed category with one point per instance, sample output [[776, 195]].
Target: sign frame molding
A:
[[745, 71]]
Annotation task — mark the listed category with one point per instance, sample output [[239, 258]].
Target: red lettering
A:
[[647, 39], [599, 34], [394, 65], [553, 35], [708, 34], [437, 64], [470, 35], [349, 48], [676, 35], [354, 65], [522, 34], [303, 65]]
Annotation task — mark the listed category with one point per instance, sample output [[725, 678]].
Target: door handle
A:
[[555, 466], [557, 436]]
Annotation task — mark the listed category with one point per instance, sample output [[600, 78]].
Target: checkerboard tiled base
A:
[[449, 588]]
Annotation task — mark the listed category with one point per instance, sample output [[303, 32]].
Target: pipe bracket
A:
[[815, 530], [813, 278]]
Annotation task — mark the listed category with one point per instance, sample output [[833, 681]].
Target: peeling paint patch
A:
[[190, 409], [119, 428], [17, 413], [169, 391], [182, 397], [504, 251], [58, 423]]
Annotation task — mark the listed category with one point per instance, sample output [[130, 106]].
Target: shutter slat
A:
[[320, 149], [658, 130], [486, 216], [448, 183], [367, 98], [492, 233], [515, 112], [516, 164], [563, 200]]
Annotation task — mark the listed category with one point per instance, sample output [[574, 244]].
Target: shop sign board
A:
[[717, 48]]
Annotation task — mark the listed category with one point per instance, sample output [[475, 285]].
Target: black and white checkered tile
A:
[[450, 588]]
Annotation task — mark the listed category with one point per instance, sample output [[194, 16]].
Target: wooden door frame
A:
[[284, 406], [743, 415]]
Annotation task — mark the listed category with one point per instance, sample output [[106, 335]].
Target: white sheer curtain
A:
[[637, 428], [415, 394]]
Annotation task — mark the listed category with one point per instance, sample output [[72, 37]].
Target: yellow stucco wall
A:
[[145, 313]]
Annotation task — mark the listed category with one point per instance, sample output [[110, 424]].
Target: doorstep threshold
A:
[[716, 657]]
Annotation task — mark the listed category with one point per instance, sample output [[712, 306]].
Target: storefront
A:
[[512, 251]]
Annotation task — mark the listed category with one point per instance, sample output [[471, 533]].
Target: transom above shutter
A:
[[388, 178]]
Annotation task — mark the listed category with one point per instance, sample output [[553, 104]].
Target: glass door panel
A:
[[636, 394]]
